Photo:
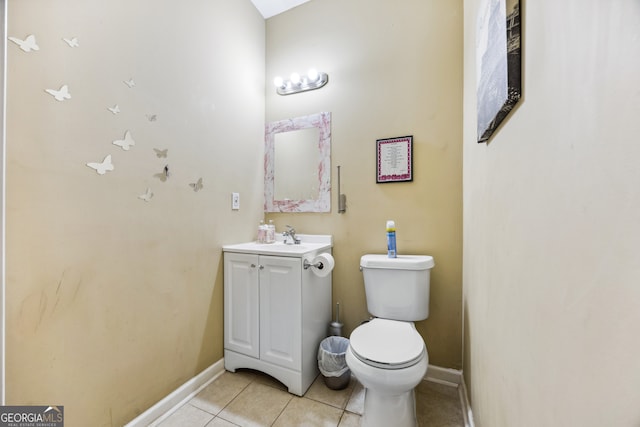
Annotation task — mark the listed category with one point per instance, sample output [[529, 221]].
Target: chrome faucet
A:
[[291, 232]]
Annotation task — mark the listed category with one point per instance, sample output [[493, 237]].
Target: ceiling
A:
[[269, 8]]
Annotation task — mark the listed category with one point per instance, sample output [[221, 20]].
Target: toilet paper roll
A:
[[322, 265]]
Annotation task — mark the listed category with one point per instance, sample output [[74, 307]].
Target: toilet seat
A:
[[387, 344]]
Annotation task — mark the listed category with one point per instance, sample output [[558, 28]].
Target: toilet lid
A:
[[387, 344]]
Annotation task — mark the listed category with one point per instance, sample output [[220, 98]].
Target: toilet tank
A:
[[397, 288]]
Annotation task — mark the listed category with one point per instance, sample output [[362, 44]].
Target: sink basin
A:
[[309, 243]]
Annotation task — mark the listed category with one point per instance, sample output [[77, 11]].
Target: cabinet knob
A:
[[261, 267], [253, 266]]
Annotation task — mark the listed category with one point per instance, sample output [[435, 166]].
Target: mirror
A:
[[297, 164]]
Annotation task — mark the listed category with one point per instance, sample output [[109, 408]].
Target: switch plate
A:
[[235, 201]]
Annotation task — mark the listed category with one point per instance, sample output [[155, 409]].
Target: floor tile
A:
[[320, 392], [350, 420], [219, 393], [187, 415], [219, 422], [256, 405], [306, 412], [356, 401], [251, 398]]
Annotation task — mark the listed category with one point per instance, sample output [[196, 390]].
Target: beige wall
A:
[[3, 55], [113, 302], [551, 225], [394, 69]]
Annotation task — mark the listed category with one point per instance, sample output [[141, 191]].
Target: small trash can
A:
[[332, 363]]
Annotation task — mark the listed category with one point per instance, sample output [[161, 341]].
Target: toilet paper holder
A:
[[306, 265]]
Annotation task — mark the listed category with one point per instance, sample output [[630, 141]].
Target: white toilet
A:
[[387, 354]]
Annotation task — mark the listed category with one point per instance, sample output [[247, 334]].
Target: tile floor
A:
[[250, 398]]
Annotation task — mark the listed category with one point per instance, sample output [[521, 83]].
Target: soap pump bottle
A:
[[391, 239], [271, 232], [262, 232]]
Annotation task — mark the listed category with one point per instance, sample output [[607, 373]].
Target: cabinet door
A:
[[241, 299], [281, 311]]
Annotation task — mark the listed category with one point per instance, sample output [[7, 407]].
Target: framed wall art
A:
[[394, 159], [498, 56]]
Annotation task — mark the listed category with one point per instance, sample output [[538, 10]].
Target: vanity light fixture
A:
[[314, 79]]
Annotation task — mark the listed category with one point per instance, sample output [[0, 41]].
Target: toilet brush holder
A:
[[335, 327]]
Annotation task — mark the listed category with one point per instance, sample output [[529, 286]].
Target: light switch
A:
[[235, 201]]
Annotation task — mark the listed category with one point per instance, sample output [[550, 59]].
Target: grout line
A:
[[236, 396], [283, 409], [346, 402], [257, 380], [353, 384], [220, 418], [186, 388], [225, 406], [253, 379]]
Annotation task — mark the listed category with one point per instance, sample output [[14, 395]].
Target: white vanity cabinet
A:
[[262, 297], [276, 312]]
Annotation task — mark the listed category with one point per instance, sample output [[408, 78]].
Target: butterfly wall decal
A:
[[115, 109], [129, 83], [162, 176], [60, 94], [125, 143], [102, 168], [197, 186], [146, 196], [161, 154], [73, 42], [27, 44]]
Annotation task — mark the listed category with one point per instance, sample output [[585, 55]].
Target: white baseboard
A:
[[161, 410], [466, 407], [453, 378], [446, 376]]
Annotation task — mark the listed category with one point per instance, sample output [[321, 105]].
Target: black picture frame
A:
[[394, 159]]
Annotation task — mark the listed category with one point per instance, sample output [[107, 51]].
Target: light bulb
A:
[[295, 78], [278, 81], [313, 74]]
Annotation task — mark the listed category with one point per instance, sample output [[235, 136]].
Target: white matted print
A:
[[394, 159]]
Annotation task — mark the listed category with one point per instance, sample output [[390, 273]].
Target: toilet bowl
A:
[[387, 354], [389, 359]]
